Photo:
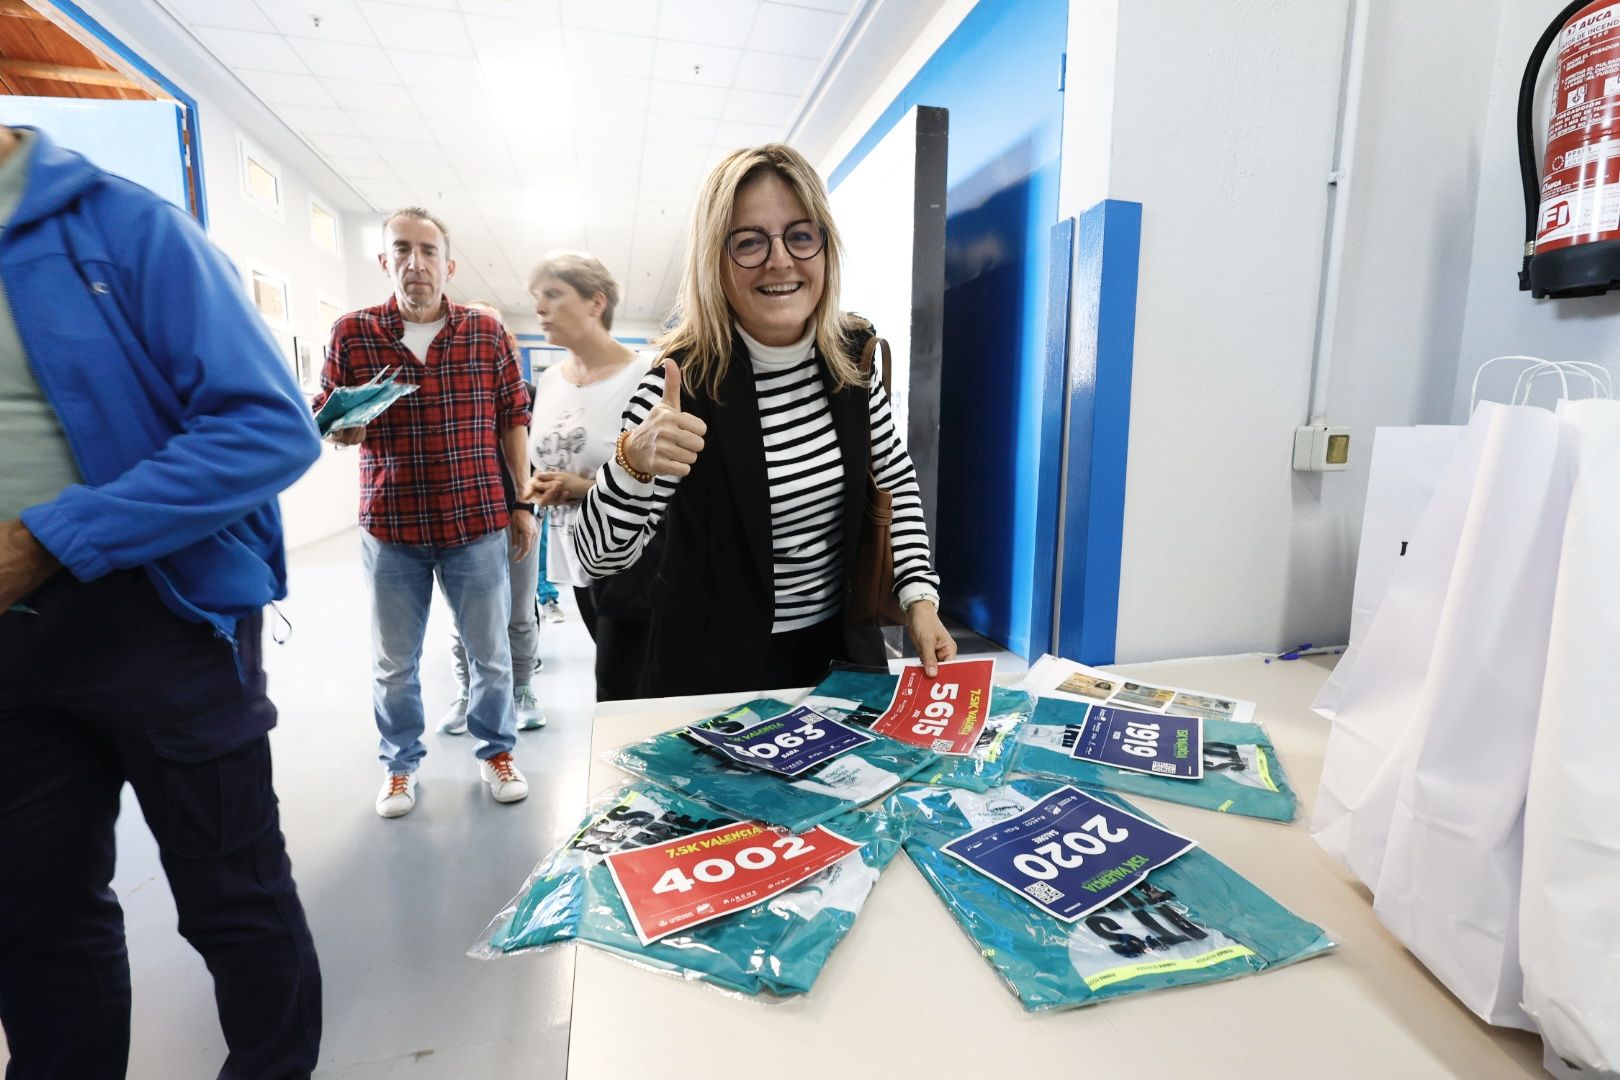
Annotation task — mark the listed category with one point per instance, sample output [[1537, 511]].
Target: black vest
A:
[[713, 598]]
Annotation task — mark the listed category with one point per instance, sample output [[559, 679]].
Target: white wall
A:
[[325, 499], [1500, 319], [1223, 127]]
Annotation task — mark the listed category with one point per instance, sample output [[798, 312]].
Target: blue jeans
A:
[[522, 633], [474, 579], [544, 590]]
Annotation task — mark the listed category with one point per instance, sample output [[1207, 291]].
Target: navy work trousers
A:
[[105, 686]]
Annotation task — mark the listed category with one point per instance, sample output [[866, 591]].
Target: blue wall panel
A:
[[1099, 392], [1000, 75]]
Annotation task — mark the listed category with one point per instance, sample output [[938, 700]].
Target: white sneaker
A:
[[527, 706], [503, 778], [454, 721], [554, 611], [398, 795]]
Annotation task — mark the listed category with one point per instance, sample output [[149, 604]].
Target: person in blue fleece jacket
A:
[[147, 422]]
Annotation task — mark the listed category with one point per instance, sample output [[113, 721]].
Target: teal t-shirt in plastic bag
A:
[[682, 763], [1191, 921], [1242, 773], [860, 697], [777, 947]]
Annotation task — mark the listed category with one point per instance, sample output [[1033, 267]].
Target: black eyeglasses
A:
[[749, 248]]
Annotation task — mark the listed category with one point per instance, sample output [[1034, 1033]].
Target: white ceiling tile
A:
[[675, 159], [246, 49], [657, 191], [401, 27], [689, 99], [341, 60], [708, 22], [400, 154], [608, 149], [361, 169], [460, 129], [462, 103], [706, 65], [623, 16], [349, 146], [609, 91], [229, 14], [755, 107], [314, 119], [279, 89], [516, 39], [404, 122], [795, 31], [371, 97], [610, 232], [610, 122], [610, 54], [340, 20], [440, 177], [842, 6], [537, 10], [689, 130], [428, 71], [776, 74], [740, 135], [385, 195]]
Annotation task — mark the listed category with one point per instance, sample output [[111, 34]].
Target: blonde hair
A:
[[702, 330], [584, 273]]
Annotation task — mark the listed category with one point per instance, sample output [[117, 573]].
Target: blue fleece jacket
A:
[[182, 416]]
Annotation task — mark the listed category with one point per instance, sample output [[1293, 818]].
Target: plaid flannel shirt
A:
[[431, 466]]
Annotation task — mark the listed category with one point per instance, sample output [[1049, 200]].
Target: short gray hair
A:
[[420, 214], [584, 273]]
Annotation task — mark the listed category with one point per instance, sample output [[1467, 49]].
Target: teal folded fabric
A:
[[860, 697], [357, 406], [681, 763], [1242, 773], [1191, 921], [777, 947]]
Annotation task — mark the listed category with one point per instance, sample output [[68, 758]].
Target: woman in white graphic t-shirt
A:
[[578, 405]]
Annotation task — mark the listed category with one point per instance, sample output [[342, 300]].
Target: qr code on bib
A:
[[1164, 767], [1043, 892], [942, 745]]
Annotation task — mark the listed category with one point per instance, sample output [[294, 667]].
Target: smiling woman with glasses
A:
[[748, 448]]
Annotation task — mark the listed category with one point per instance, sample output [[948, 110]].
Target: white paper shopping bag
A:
[[1448, 886], [1407, 463], [1569, 917], [1375, 721]]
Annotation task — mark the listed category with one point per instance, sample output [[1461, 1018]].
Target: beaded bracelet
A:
[[624, 462]]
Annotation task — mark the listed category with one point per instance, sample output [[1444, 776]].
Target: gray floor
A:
[[394, 905]]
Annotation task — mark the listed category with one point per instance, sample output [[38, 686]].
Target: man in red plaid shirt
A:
[[431, 498]]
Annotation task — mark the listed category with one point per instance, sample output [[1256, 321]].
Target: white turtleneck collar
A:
[[779, 357]]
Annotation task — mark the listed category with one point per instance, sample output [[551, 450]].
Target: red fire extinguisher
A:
[[1572, 207]]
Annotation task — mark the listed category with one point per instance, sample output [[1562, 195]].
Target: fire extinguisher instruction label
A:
[[1580, 188]]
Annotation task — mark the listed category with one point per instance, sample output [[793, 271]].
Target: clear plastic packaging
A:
[[776, 948], [1192, 921], [676, 760], [1242, 773], [859, 697]]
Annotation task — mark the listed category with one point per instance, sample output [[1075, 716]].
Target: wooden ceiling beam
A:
[[29, 69], [20, 9]]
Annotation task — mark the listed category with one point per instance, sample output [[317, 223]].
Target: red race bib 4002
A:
[[683, 883], [944, 714]]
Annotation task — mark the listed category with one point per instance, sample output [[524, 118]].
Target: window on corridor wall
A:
[[261, 179], [323, 227]]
